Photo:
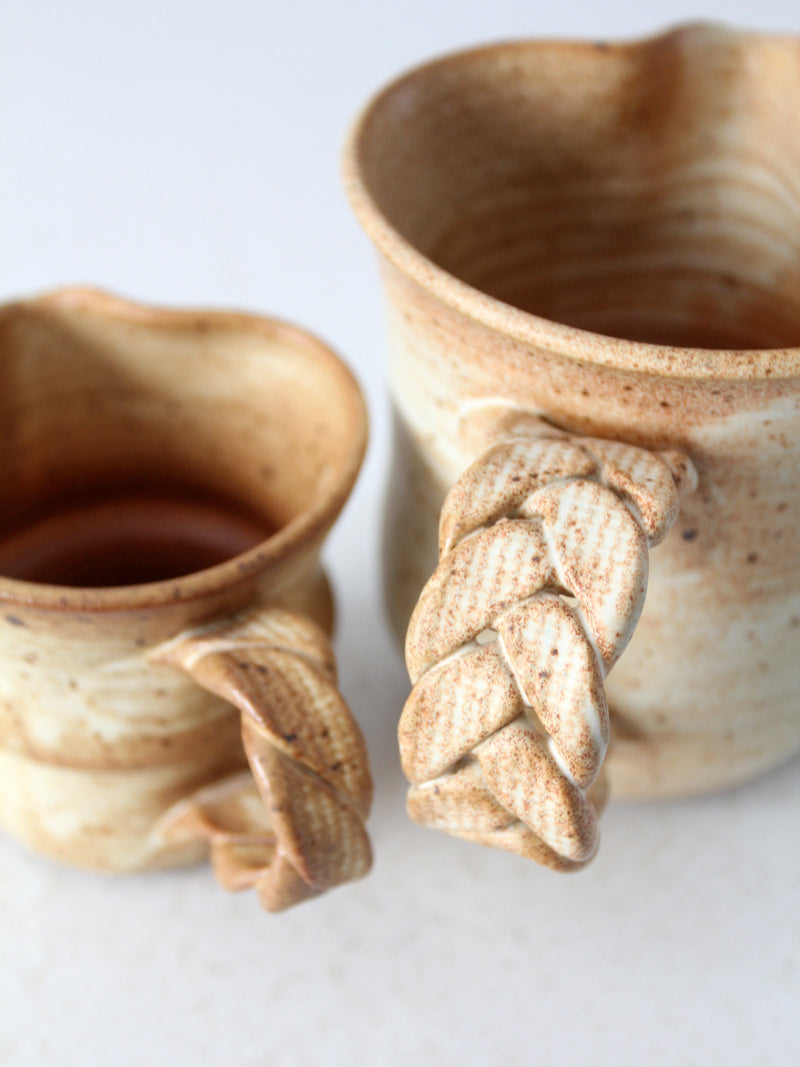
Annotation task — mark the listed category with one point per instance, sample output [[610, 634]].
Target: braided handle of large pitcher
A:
[[542, 577]]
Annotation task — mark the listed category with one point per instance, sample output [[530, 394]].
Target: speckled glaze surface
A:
[[119, 704], [602, 240]]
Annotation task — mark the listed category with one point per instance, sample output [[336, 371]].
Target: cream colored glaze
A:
[[522, 196], [544, 547], [99, 737]]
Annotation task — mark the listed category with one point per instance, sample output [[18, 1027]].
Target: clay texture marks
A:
[[541, 581], [296, 827]]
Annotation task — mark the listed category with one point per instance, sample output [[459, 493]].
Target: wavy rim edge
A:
[[305, 529], [760, 364]]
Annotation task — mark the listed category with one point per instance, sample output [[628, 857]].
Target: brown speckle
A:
[[14, 620]]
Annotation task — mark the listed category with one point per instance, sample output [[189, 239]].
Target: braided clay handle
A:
[[295, 827], [543, 549]]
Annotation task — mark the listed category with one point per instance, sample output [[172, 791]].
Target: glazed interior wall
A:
[[228, 417], [640, 192]]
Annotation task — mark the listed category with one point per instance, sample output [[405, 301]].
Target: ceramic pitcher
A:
[[592, 264], [167, 686]]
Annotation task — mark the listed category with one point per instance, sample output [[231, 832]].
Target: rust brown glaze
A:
[[607, 238], [99, 736]]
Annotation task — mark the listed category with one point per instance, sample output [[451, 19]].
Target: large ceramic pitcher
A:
[[592, 261]]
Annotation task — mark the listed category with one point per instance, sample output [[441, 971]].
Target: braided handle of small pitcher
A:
[[542, 576], [295, 827]]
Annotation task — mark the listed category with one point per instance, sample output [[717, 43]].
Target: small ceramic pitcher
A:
[[592, 261], [168, 480]]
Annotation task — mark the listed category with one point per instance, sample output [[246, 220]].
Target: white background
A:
[[187, 154]]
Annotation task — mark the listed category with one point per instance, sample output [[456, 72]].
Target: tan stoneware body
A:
[[605, 238], [103, 728]]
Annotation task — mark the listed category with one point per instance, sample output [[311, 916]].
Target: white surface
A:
[[188, 154]]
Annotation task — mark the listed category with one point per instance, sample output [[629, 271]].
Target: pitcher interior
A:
[[647, 191], [136, 453]]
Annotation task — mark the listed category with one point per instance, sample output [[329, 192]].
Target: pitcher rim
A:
[[715, 364], [299, 534]]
